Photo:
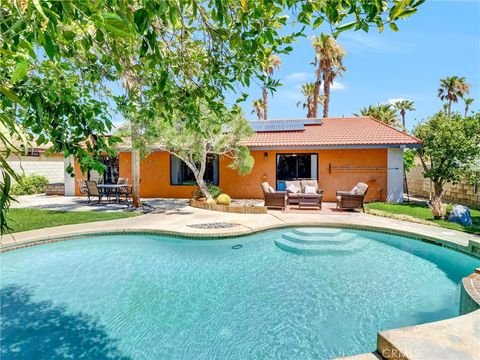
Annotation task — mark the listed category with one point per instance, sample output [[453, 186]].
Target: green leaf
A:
[[393, 26], [11, 95], [318, 21], [141, 20], [115, 25], [346, 26], [20, 71], [49, 46], [68, 35], [39, 8]]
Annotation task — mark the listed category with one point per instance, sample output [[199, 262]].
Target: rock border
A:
[[228, 208]]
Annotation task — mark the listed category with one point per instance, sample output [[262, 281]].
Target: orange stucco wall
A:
[[155, 173], [248, 186]]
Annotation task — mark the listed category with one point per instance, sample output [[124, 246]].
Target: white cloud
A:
[[392, 101], [337, 86], [299, 76], [358, 42]]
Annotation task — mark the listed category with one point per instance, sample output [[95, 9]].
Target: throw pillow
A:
[[354, 191], [271, 189], [292, 189], [310, 189]]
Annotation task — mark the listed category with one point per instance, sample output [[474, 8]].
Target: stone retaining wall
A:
[[55, 189], [462, 193]]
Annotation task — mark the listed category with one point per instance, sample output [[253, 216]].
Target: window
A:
[[110, 175], [180, 173], [295, 166]]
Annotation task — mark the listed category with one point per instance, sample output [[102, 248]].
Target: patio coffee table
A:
[[310, 200]]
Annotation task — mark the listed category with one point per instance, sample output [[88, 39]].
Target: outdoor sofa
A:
[[307, 188]]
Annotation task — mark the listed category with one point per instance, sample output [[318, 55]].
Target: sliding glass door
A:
[[295, 166]]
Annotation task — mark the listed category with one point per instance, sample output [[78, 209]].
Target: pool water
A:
[[158, 297]]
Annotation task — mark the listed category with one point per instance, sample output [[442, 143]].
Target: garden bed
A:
[[238, 209]]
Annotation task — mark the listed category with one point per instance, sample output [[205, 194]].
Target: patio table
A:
[[310, 200], [113, 188]]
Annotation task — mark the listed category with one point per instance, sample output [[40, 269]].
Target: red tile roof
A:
[[348, 131]]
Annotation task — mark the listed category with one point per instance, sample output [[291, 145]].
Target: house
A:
[[339, 152]]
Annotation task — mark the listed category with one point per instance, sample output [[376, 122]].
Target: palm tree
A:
[[452, 88], [329, 57], [382, 112], [258, 108], [468, 102], [271, 63], [308, 90], [403, 106]]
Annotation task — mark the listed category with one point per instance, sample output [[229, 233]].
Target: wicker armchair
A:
[[353, 199], [273, 199]]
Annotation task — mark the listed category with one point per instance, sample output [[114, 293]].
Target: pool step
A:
[[321, 249], [316, 231], [319, 239]]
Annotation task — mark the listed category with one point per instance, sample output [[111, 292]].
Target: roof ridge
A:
[[393, 128]]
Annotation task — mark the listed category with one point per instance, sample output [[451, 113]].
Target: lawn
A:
[[29, 219], [422, 213]]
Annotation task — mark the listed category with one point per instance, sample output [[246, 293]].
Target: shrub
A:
[[224, 199], [214, 190], [29, 185]]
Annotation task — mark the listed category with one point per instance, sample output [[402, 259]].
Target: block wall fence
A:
[[462, 193]]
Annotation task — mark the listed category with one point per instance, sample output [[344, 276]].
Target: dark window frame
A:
[[286, 154], [212, 182]]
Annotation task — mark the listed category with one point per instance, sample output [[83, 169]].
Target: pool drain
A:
[[236, 247]]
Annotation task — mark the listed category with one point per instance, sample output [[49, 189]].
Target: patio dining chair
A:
[[122, 181], [93, 191], [82, 186]]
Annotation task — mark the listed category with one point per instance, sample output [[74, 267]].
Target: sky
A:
[[442, 39]]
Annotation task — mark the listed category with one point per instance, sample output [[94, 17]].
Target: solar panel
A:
[[282, 125]]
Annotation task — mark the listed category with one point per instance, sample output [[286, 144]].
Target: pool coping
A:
[[472, 249]]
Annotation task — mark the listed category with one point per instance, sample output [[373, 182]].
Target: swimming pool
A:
[[307, 293]]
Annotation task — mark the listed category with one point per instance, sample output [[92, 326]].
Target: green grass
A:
[[422, 213], [30, 219]]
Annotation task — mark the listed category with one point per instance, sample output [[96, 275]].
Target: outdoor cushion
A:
[[271, 189], [297, 183], [361, 188], [265, 187], [354, 191], [306, 183], [310, 189], [293, 189]]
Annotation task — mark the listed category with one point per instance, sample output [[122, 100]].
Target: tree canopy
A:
[[162, 51], [450, 149]]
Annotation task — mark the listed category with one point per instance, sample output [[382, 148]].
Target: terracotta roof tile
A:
[[347, 131]]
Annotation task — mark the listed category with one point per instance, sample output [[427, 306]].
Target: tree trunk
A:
[[449, 107], [436, 204], [202, 185], [316, 93], [135, 167], [403, 119], [265, 102], [326, 93]]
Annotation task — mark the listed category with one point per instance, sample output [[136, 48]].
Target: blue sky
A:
[[442, 39]]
